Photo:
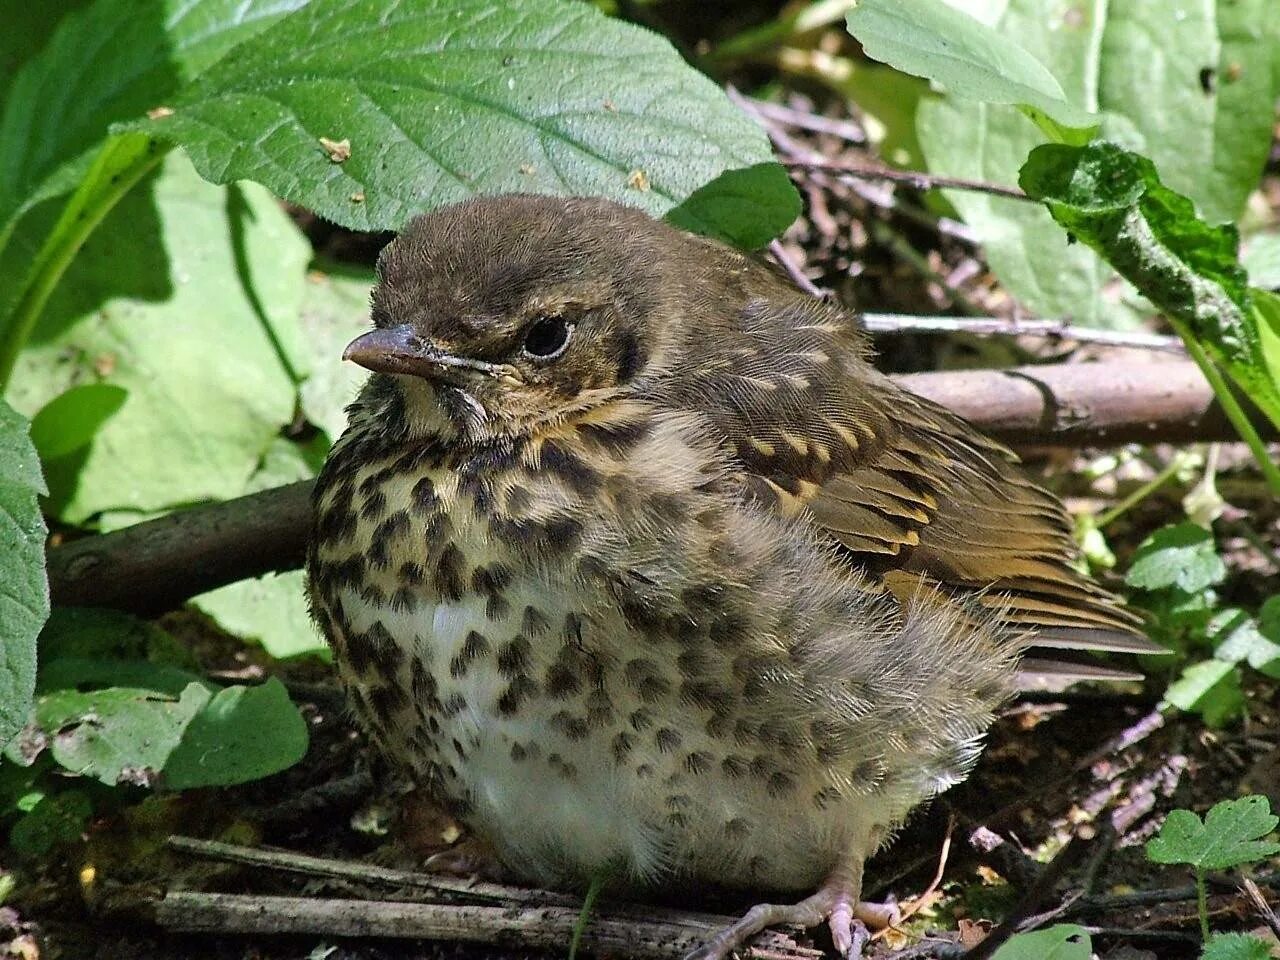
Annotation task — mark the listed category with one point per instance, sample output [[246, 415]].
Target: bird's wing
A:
[[911, 493]]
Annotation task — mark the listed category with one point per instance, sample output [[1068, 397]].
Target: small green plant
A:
[[1173, 575], [1231, 834]]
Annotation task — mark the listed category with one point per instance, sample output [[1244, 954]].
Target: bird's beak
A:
[[399, 349]]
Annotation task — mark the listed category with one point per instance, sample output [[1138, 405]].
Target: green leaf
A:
[[1261, 258], [444, 99], [117, 734], [112, 60], [1112, 200], [1182, 556], [1266, 313], [929, 39], [269, 610], [1239, 638], [335, 310], [1230, 835], [1210, 688], [1235, 946], [1066, 941], [99, 634], [243, 734], [742, 207], [157, 304], [1139, 66], [24, 588], [68, 421], [57, 819]]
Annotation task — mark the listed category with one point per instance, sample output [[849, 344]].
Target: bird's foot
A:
[[846, 917]]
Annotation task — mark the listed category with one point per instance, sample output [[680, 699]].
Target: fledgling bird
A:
[[633, 559]]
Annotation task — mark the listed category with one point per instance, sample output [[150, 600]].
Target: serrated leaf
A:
[[1235, 946], [243, 734], [112, 60], [1182, 556], [1231, 834], [440, 100], [930, 39], [24, 587], [1112, 200], [147, 307], [1066, 941]]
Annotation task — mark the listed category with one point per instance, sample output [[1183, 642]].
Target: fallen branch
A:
[[157, 565], [912, 178], [668, 935]]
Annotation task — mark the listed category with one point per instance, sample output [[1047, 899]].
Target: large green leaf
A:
[[1113, 201], [967, 58], [1209, 136], [243, 734], [117, 734], [24, 589], [184, 300], [335, 310], [112, 60], [442, 99]]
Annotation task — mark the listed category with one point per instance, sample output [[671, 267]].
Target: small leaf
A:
[[24, 587], [57, 819], [929, 39], [244, 733], [1239, 638], [1182, 556], [1235, 946], [270, 610], [445, 99], [1210, 688], [1066, 941], [1230, 835], [335, 310]]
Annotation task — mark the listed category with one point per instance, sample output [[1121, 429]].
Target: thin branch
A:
[[155, 566], [846, 130], [1261, 905], [912, 178], [894, 323], [785, 260], [667, 934], [451, 888]]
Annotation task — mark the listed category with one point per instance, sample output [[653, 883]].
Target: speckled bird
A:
[[634, 560]]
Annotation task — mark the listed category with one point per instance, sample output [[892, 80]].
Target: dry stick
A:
[[367, 873], [155, 566], [913, 178], [547, 927], [1262, 906], [1104, 902], [846, 130], [1016, 327]]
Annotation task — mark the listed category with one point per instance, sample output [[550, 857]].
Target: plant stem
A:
[[588, 905], [1235, 413], [1178, 461], [1202, 904], [121, 163]]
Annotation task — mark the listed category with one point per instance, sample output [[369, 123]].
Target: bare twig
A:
[[1051, 329], [439, 885], [156, 565], [669, 934], [784, 259], [912, 178], [1261, 905], [1106, 902], [1023, 916], [803, 119]]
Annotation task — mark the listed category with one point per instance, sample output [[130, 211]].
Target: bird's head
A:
[[499, 314]]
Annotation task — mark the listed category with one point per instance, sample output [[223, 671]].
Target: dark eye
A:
[[548, 337]]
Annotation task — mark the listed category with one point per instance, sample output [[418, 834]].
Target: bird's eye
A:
[[547, 338]]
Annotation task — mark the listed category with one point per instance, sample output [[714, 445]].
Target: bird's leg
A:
[[836, 902]]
